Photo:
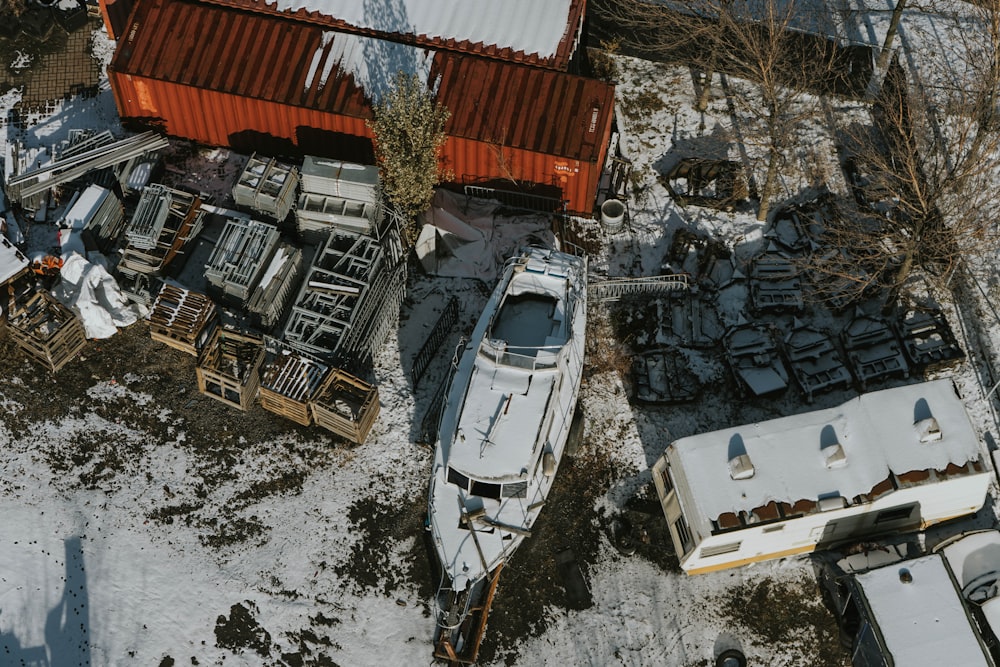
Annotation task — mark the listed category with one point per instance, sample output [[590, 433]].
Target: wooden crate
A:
[[288, 383], [47, 331], [346, 405], [229, 368], [182, 319]]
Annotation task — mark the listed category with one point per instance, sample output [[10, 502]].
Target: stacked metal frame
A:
[[239, 259], [28, 187], [267, 186], [347, 302], [337, 196]]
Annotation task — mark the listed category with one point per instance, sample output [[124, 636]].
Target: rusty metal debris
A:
[[815, 362], [663, 376], [705, 182], [753, 355], [774, 282], [928, 340], [872, 349]]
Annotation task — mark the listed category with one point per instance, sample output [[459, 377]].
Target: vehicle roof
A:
[[877, 433], [922, 622]]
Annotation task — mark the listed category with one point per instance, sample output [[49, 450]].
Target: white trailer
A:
[[889, 461]]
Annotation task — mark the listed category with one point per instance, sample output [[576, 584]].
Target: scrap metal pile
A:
[[264, 322], [793, 322]]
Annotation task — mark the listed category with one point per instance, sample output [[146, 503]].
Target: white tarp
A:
[[464, 237], [90, 291]]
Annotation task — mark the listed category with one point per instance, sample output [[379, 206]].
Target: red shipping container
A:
[[254, 82]]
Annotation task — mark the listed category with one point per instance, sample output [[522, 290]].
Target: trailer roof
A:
[[877, 431], [923, 622]]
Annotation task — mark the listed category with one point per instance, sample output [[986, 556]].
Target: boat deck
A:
[[526, 322]]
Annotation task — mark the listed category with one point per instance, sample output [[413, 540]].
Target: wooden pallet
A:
[[472, 630], [228, 369], [288, 384], [182, 319], [346, 405], [47, 331]]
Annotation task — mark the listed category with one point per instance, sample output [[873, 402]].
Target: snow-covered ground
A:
[[113, 544]]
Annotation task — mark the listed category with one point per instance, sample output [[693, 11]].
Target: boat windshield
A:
[[475, 487]]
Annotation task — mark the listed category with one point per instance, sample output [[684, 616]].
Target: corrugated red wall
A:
[[115, 14], [217, 118]]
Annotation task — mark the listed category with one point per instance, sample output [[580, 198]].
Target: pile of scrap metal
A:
[[47, 331], [252, 269], [815, 361], [29, 176], [696, 181], [663, 376], [928, 341], [267, 186], [873, 350], [164, 222], [774, 282], [13, 265], [338, 197], [348, 301], [93, 220], [754, 357]]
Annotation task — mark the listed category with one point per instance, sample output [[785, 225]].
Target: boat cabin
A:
[[894, 460]]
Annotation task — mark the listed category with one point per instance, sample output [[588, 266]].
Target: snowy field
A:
[[130, 536]]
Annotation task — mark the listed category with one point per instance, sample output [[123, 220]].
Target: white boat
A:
[[505, 422]]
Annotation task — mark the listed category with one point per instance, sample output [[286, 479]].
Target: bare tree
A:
[[409, 136], [775, 64], [13, 7], [929, 162]]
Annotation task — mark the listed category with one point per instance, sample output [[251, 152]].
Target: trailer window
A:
[[720, 549], [668, 486], [683, 534]]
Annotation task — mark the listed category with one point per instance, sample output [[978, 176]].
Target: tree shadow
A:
[[67, 625]]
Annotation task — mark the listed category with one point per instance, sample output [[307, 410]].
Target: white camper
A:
[[894, 460]]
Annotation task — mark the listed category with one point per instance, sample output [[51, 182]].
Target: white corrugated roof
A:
[[875, 430], [923, 622], [12, 262], [372, 62], [531, 26]]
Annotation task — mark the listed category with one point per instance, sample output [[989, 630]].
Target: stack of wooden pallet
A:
[[289, 381], [182, 319], [346, 405], [47, 331], [229, 367]]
